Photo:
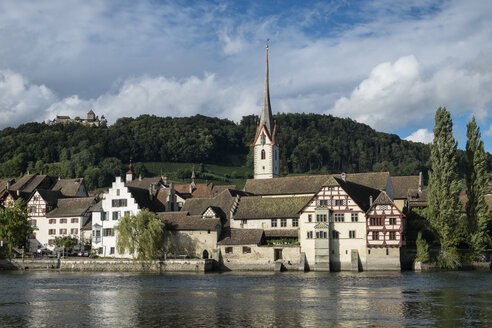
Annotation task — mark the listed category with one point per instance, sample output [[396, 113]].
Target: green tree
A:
[[14, 225], [422, 249], [142, 235], [477, 212], [443, 211]]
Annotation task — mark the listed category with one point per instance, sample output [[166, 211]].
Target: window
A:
[[100, 250], [310, 217], [376, 221], [340, 202], [244, 221], [335, 234], [339, 217], [352, 234], [320, 217], [32, 209], [383, 207], [52, 221], [116, 215], [274, 223], [263, 154], [107, 232], [118, 202], [392, 235], [295, 222], [34, 223], [75, 220], [52, 232], [34, 235], [63, 220], [321, 234], [283, 223], [228, 250], [387, 252], [36, 198], [74, 231], [98, 233], [117, 192], [246, 250], [392, 221], [309, 235], [375, 235], [63, 231], [127, 213], [111, 251], [51, 242], [355, 217]]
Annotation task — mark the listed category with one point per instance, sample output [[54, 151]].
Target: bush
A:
[[449, 259]]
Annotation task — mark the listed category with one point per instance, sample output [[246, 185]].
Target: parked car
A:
[[83, 253]]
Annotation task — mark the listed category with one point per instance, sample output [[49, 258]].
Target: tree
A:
[[67, 242], [477, 213], [14, 225], [443, 211], [142, 235]]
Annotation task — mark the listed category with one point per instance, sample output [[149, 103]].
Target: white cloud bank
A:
[[421, 135]]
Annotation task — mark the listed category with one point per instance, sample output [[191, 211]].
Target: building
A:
[[67, 219], [127, 199], [403, 185], [266, 151], [91, 119]]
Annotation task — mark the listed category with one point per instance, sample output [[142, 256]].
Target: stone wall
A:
[[383, 259], [260, 258]]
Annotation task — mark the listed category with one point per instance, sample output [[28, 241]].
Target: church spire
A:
[[266, 112]]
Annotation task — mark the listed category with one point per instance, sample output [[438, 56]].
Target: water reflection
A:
[[245, 300]]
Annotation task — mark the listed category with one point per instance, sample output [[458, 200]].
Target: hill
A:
[[309, 143]]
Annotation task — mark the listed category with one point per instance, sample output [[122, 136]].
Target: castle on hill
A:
[[91, 119]]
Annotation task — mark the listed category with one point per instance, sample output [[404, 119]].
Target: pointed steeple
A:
[[266, 112]]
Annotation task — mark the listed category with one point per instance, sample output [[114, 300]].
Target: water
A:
[[52, 299]]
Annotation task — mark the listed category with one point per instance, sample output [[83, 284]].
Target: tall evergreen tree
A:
[[476, 186], [443, 212]]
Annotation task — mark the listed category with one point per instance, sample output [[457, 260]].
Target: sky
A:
[[388, 64]]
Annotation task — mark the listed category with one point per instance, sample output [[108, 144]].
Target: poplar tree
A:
[[443, 211], [476, 185]]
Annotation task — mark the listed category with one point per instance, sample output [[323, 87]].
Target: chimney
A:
[[139, 177], [370, 200], [18, 192], [9, 184], [421, 181], [344, 176], [151, 191], [165, 180]]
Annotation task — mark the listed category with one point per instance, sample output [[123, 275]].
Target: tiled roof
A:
[[464, 200], [242, 237], [224, 201], [50, 196], [39, 181], [183, 221], [144, 183], [3, 184], [68, 187], [201, 190], [417, 198], [282, 233], [143, 199], [360, 194], [312, 184], [97, 207], [257, 207], [88, 225], [71, 207], [21, 182], [402, 184]]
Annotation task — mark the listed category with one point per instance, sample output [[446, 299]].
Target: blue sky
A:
[[384, 63]]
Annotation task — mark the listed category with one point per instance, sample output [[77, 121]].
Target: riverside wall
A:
[[108, 265]]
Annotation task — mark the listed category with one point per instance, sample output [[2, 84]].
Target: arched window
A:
[[263, 154]]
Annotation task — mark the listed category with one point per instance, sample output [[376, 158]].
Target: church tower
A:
[[266, 156]]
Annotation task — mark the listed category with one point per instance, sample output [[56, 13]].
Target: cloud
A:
[[489, 131], [421, 135], [19, 99], [397, 95]]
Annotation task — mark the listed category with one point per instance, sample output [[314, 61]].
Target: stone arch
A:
[[205, 254]]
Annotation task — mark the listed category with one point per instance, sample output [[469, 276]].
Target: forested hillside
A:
[[308, 143]]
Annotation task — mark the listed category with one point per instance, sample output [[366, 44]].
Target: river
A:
[[54, 299]]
